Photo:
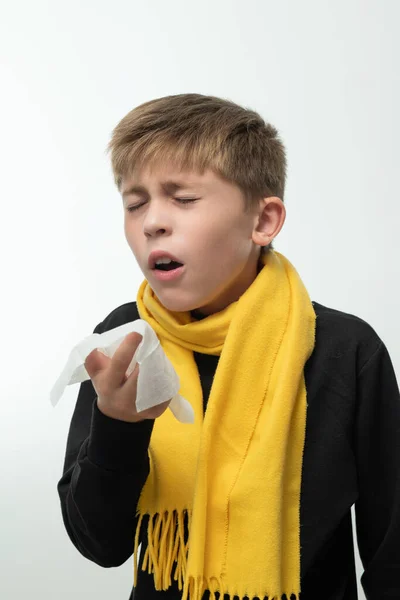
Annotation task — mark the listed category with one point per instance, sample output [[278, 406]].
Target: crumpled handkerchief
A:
[[157, 379]]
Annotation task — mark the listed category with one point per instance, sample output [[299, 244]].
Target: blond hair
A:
[[198, 132]]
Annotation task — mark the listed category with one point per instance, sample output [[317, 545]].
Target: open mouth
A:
[[168, 271], [168, 267]]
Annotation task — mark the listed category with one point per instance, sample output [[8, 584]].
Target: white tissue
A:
[[157, 380]]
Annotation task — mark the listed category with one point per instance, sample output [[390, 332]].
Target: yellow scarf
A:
[[236, 471]]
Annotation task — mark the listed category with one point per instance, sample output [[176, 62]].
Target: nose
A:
[[157, 220], [154, 231]]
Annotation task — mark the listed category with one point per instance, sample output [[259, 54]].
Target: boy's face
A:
[[218, 243]]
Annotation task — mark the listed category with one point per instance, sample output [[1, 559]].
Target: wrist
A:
[[118, 414], [118, 445]]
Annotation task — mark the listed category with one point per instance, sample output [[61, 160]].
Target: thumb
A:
[[95, 362]]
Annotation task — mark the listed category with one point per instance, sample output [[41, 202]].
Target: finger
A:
[[121, 359], [96, 362], [132, 376]]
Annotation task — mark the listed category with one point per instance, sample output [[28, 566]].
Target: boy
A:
[[297, 407]]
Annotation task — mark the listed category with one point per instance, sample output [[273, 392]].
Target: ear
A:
[[269, 220]]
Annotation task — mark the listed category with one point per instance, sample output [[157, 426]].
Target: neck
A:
[[198, 315]]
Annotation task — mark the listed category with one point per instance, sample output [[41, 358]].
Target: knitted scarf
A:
[[236, 472]]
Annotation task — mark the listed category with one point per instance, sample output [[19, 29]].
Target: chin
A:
[[175, 305]]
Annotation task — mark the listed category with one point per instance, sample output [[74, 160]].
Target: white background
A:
[[326, 74]]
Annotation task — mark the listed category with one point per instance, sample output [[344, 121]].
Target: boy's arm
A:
[[106, 466], [377, 446]]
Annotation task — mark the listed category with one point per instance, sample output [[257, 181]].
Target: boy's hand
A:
[[116, 393]]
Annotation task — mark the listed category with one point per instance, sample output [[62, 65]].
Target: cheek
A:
[[128, 235], [130, 229], [214, 229], [225, 239], [132, 238]]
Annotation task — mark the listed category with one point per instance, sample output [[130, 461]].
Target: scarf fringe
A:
[[196, 586], [166, 546]]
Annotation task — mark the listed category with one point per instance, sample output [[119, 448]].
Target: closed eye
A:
[[180, 200]]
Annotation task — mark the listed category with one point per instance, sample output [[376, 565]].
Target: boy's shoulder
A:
[[119, 316], [336, 331], [344, 335], [339, 320]]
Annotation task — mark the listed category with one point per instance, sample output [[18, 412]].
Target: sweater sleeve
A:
[[106, 466], [377, 444]]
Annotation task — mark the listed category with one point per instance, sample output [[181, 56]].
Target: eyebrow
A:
[[169, 186]]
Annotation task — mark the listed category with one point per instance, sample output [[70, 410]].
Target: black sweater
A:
[[351, 456]]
